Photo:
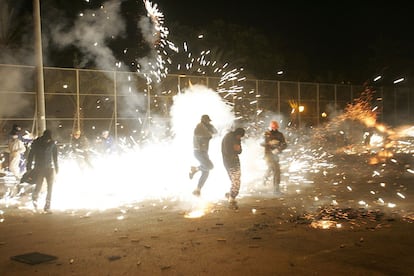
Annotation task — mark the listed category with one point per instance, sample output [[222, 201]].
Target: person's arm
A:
[[237, 148], [55, 158], [22, 147], [282, 142], [227, 146], [211, 129], [265, 141], [29, 161], [205, 130]]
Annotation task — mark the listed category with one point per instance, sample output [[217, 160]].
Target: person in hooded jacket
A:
[[230, 149], [43, 157]]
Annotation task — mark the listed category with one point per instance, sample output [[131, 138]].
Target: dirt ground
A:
[[264, 236], [354, 219]]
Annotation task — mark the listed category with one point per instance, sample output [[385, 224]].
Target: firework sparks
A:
[[156, 35], [318, 170]]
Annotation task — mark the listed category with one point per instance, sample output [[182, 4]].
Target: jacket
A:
[[43, 153], [203, 132], [274, 140], [230, 149]]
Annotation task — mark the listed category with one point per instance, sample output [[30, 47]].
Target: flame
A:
[[325, 224], [195, 214]]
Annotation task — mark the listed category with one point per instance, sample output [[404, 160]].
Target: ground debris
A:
[[164, 267], [354, 216], [114, 257]]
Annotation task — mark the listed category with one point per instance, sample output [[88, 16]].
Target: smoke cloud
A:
[[91, 33]]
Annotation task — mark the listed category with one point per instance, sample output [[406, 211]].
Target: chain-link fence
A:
[[124, 104]]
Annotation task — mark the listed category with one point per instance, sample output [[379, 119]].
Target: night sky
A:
[[358, 39], [341, 36]]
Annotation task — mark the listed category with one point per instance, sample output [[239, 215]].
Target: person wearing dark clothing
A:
[[203, 132], [80, 149], [105, 143], [230, 149], [16, 129], [43, 156], [274, 143]]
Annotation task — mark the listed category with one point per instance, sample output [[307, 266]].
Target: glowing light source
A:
[[324, 224], [398, 80], [195, 214], [377, 78]]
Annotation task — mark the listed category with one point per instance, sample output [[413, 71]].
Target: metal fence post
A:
[[115, 109]]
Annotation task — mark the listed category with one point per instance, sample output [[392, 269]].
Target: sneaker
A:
[[193, 170], [196, 192], [47, 211]]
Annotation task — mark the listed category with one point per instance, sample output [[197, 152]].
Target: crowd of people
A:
[[41, 164], [35, 161], [274, 143]]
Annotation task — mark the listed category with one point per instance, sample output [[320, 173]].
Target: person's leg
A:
[[205, 162], [38, 187], [205, 166], [14, 165], [235, 175], [50, 178], [269, 170], [276, 174], [202, 180], [276, 181], [194, 169]]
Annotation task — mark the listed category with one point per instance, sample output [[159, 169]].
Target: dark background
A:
[[337, 42]]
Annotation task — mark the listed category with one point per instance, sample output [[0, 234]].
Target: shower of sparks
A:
[[230, 79], [158, 40], [319, 169], [141, 172], [230, 84]]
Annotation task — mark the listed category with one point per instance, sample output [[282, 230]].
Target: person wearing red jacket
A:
[[274, 143]]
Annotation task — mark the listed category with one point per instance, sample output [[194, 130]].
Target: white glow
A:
[[398, 80], [377, 78], [159, 170]]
